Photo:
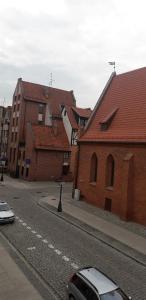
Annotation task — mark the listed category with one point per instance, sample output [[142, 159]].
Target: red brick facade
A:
[[38, 144], [116, 130], [128, 193]]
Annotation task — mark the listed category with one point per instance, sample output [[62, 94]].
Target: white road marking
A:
[[65, 258], [33, 231], [24, 224], [17, 218], [31, 248], [28, 227], [20, 221], [58, 251], [51, 246], [39, 236], [74, 266], [45, 241]]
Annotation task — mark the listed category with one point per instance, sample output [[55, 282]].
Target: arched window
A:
[[110, 170], [93, 168]]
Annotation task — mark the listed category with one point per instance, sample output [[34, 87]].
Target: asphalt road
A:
[[56, 248]]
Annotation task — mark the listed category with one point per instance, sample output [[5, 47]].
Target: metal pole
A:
[[2, 177], [59, 209]]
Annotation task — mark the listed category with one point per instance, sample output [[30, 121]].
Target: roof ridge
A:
[[46, 86], [132, 71]]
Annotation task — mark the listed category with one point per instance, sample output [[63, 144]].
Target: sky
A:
[[72, 39]]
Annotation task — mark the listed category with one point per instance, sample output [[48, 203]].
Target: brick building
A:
[[5, 116], [111, 171], [39, 147]]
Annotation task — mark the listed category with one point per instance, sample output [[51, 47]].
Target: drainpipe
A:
[[76, 172]]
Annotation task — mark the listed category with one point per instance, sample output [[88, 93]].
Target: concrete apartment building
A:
[[111, 172], [5, 116]]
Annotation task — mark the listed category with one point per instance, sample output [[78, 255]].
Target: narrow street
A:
[[56, 248]]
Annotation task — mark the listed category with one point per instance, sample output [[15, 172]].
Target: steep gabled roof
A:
[[51, 138], [127, 92], [71, 117], [82, 112], [45, 94]]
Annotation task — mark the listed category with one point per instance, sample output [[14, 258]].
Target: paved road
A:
[[55, 248]]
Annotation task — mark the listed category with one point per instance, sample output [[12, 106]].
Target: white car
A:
[[6, 213]]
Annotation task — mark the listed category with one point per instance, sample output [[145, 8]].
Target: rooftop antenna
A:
[[51, 80], [112, 63]]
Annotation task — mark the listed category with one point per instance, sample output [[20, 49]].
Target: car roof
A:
[[102, 283]]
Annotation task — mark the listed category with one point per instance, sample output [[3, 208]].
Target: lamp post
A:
[[59, 209], [2, 177]]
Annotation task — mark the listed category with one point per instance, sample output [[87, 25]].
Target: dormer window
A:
[[106, 122]]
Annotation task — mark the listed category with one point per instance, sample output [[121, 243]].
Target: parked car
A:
[[91, 284], [6, 213]]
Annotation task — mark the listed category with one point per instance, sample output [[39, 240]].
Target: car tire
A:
[[71, 298]]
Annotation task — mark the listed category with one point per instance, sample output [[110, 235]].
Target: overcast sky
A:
[[73, 39]]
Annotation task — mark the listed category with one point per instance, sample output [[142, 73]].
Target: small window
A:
[[66, 155], [22, 171], [65, 112], [14, 154], [15, 136], [41, 108], [27, 172], [108, 204]]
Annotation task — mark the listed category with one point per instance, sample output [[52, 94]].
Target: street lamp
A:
[[2, 177], [59, 209]]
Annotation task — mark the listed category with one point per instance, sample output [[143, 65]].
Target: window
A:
[[14, 154], [22, 171], [18, 107], [27, 172], [110, 170], [15, 136], [66, 155], [10, 154], [65, 112], [84, 288], [12, 137], [93, 168], [17, 121], [41, 108]]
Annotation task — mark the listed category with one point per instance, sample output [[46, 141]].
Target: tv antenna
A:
[[51, 79]]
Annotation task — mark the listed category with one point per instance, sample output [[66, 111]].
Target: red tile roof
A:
[[51, 138], [82, 112], [71, 117], [127, 92], [41, 93]]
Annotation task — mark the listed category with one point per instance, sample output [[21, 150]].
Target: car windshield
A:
[[4, 207], [114, 295]]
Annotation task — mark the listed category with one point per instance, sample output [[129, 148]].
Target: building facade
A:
[[5, 116], [111, 172], [39, 147]]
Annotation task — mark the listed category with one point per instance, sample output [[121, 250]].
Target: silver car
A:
[[90, 284], [6, 213]]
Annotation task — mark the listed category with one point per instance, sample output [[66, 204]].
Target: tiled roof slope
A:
[[82, 112], [51, 138], [41, 93], [71, 117], [127, 94]]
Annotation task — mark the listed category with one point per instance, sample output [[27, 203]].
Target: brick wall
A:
[[129, 191]]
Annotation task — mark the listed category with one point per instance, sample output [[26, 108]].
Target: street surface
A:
[[55, 248]]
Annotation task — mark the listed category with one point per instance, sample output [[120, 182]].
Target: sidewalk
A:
[[13, 283], [85, 215]]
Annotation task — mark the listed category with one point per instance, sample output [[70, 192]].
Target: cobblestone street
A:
[[55, 248]]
